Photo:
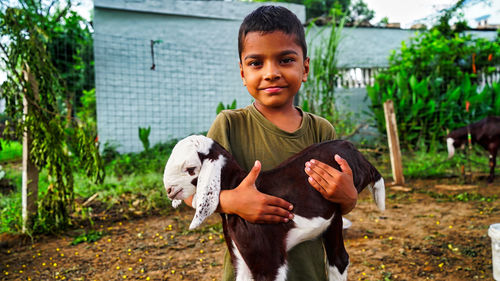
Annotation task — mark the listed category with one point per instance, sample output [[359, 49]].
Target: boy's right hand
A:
[[252, 205]]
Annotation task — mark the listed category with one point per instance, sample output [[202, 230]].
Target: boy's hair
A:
[[267, 19]]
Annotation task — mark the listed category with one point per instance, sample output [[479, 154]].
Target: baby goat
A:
[[200, 166], [485, 132]]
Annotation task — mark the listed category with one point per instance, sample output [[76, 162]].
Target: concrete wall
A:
[[370, 47], [196, 66]]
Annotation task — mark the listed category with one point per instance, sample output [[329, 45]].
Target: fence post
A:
[[30, 171], [393, 139]]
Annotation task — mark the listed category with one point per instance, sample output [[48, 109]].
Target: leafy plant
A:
[[87, 111], [153, 159], [221, 106], [29, 29], [109, 152], [10, 212], [11, 150], [318, 95], [87, 236], [319, 89], [430, 81], [144, 136]]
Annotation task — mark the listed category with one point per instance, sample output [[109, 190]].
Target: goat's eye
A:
[[190, 171]]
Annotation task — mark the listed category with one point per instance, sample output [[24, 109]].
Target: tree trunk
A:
[[30, 171]]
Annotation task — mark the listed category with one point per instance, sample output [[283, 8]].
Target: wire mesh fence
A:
[[172, 88]]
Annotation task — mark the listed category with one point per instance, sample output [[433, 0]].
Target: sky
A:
[[405, 12], [408, 12]]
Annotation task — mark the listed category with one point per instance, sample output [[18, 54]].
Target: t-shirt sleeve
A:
[[219, 131]]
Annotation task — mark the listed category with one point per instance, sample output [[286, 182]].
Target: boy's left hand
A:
[[336, 186]]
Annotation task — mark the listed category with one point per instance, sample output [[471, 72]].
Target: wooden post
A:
[[393, 139], [30, 171]]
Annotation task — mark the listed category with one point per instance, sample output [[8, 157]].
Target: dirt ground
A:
[[425, 233]]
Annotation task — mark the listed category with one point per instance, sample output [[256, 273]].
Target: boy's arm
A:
[[336, 186], [252, 205]]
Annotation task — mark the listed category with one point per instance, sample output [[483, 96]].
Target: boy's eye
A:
[[255, 63], [287, 60]]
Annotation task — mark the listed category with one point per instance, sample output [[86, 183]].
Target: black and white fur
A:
[[485, 132], [200, 166]]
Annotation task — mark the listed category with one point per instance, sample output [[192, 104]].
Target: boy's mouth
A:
[[274, 89]]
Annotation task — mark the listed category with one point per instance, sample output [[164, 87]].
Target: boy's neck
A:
[[286, 118]]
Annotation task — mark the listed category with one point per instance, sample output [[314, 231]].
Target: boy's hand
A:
[[336, 186], [252, 205]]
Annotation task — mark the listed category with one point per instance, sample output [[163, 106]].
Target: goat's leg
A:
[[338, 259], [259, 250], [260, 265], [493, 149]]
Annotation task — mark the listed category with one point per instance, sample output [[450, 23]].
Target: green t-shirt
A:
[[249, 136]]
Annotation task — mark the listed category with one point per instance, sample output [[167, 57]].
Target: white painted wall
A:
[[196, 66]]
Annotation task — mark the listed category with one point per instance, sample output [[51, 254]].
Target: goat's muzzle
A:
[[172, 192]]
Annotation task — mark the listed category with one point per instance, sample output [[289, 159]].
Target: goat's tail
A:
[[377, 190]]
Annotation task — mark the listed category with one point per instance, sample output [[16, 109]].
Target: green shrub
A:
[[318, 93], [222, 107], [430, 81], [153, 159], [144, 137]]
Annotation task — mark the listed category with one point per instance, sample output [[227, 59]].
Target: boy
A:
[[273, 65]]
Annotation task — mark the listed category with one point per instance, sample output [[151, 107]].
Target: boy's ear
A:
[[306, 69], [242, 74]]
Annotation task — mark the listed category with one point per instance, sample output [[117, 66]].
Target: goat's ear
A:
[[208, 188]]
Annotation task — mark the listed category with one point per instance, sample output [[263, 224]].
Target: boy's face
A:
[[272, 68]]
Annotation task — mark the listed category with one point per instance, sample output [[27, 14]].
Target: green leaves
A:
[[221, 106], [87, 236], [144, 136], [318, 95], [32, 32], [430, 80]]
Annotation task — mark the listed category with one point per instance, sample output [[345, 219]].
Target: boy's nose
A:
[[272, 73], [271, 76]]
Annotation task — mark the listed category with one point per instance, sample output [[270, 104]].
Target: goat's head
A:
[[190, 171]]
